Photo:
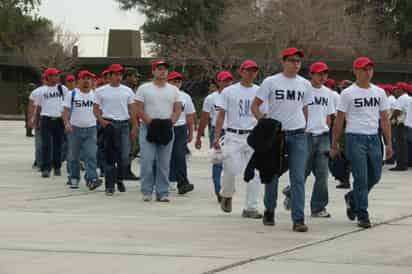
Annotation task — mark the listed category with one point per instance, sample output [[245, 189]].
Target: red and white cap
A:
[[292, 51], [248, 64], [318, 67], [362, 62], [174, 75], [224, 75]]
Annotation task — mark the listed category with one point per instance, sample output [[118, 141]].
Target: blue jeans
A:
[[154, 165], [296, 146], [52, 132], [317, 163], [217, 169], [365, 154], [82, 141], [178, 167], [114, 167]]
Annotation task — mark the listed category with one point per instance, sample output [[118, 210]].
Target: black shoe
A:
[[121, 187], [343, 185], [109, 191], [69, 182], [57, 172], [349, 210], [299, 226], [185, 188], [93, 184], [366, 223], [226, 204], [45, 174], [269, 218], [398, 168]]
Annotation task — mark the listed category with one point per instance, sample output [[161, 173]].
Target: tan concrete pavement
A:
[[47, 228]]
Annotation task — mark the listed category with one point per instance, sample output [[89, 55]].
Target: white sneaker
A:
[[147, 198], [173, 186]]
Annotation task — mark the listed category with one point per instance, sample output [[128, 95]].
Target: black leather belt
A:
[[294, 132], [239, 131], [116, 121]]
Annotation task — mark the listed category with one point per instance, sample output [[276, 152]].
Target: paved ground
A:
[[47, 228]]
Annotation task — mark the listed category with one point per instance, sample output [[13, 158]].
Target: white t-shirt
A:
[[392, 102], [335, 99], [319, 109], [114, 101], [158, 101], [363, 108], [35, 94], [50, 100], [404, 104], [236, 100], [187, 108], [286, 98], [82, 113], [209, 106]]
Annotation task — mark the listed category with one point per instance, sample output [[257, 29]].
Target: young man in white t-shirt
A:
[[288, 96], [365, 107], [49, 106], [80, 126], [157, 103], [234, 104], [183, 131], [224, 79], [114, 110]]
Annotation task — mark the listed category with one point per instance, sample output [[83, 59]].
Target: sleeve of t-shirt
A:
[[139, 95], [38, 98], [384, 106], [206, 105], [331, 107], [221, 100], [190, 107], [177, 97], [307, 97], [68, 100], [130, 99], [344, 101], [264, 90], [400, 104]]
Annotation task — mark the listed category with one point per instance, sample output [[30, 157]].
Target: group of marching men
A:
[[295, 112]]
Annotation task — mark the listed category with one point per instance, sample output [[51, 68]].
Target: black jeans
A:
[[178, 167], [52, 132], [401, 133]]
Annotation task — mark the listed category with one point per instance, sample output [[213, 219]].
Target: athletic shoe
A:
[[251, 214], [269, 218], [74, 184], [45, 174], [366, 223], [147, 198], [321, 214], [226, 204], [109, 192], [93, 184], [121, 187], [163, 199], [349, 210], [183, 189], [299, 226]]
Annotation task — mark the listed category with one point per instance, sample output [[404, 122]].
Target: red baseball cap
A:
[[115, 68], [224, 75], [318, 67], [105, 72], [292, 51], [401, 85], [51, 71], [409, 89], [174, 75], [157, 63], [249, 64], [362, 62], [86, 73], [330, 83], [70, 77]]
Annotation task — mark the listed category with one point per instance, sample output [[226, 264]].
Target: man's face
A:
[[320, 77], [212, 87], [225, 83], [364, 74], [116, 78], [292, 64], [53, 79], [161, 72], [132, 79], [85, 83], [398, 92], [249, 74], [176, 82], [70, 84], [106, 79]]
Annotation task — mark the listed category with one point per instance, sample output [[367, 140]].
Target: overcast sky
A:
[[82, 16]]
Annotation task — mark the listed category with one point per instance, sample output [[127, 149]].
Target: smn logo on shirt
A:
[[55, 94], [321, 101], [244, 107], [367, 102], [291, 95], [81, 103]]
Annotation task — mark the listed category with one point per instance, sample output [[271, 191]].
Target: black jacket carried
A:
[[160, 131], [269, 159]]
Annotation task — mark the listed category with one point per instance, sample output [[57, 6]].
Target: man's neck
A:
[[316, 85], [159, 82], [289, 74], [363, 84], [86, 90], [246, 83], [51, 85], [114, 85]]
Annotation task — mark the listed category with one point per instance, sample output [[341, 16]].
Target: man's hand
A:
[[389, 152], [68, 128], [216, 144], [198, 144], [104, 123]]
